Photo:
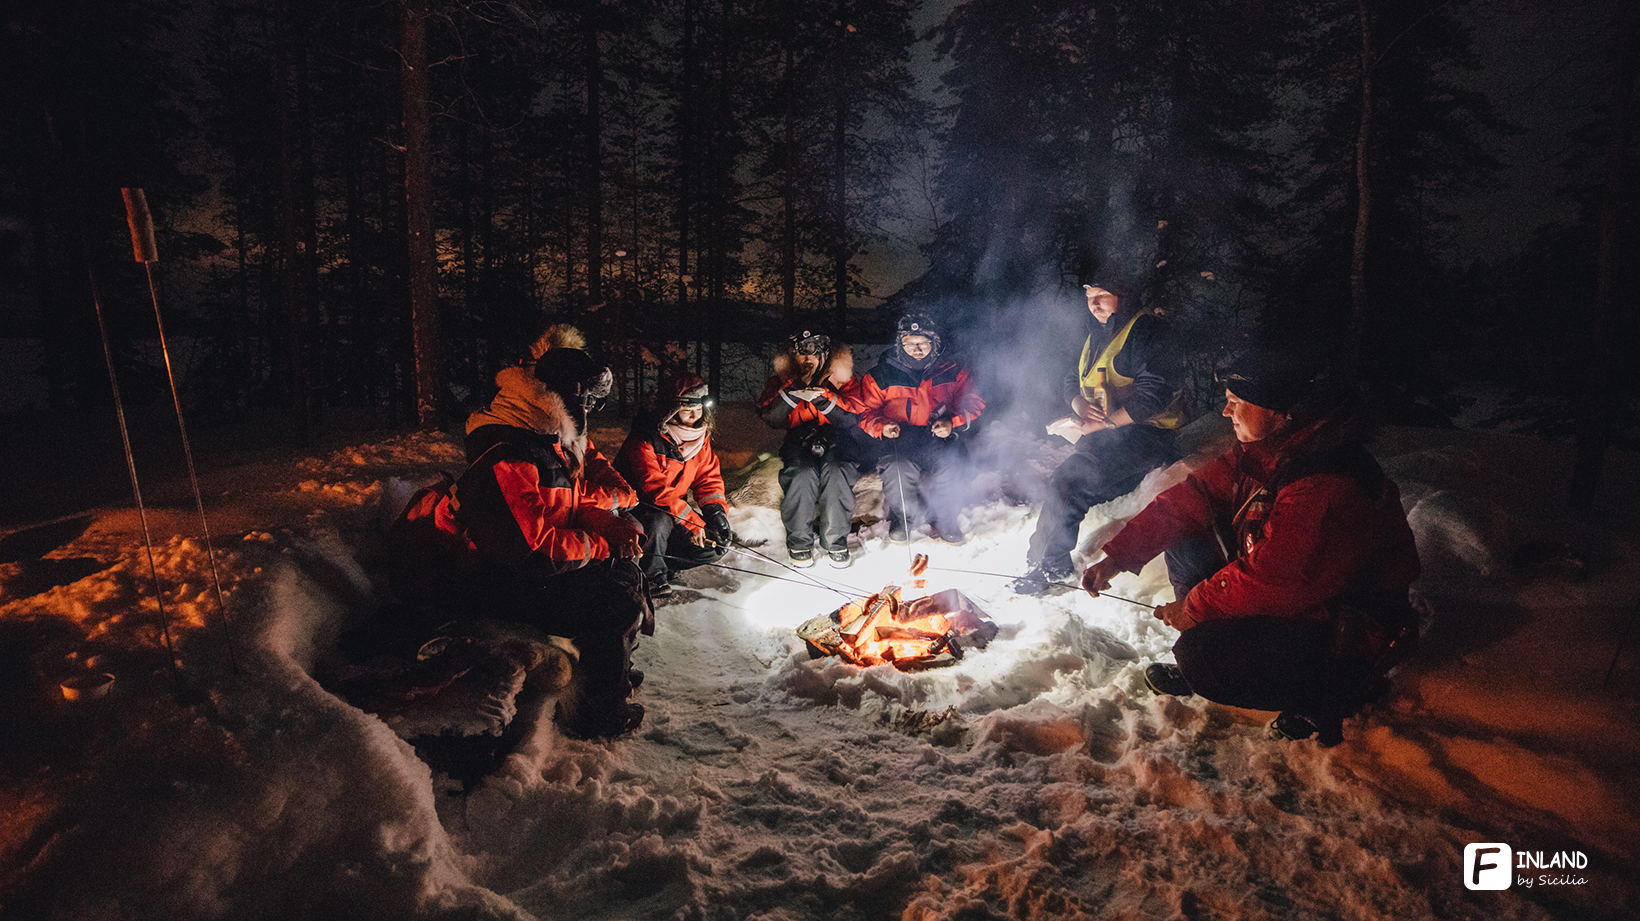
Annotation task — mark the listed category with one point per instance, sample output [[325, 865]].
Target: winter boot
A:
[[1042, 579], [897, 531], [1298, 727], [605, 723], [1165, 678]]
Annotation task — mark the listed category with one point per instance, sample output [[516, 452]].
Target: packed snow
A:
[[1037, 778]]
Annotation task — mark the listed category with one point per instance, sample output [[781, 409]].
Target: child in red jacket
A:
[[667, 456]]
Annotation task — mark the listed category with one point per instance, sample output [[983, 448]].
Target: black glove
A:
[[717, 524]]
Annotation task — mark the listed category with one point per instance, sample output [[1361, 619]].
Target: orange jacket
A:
[[655, 467]]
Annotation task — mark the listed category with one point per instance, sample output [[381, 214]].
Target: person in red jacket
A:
[[511, 405], [810, 395], [1290, 558], [545, 546], [667, 457], [917, 403]]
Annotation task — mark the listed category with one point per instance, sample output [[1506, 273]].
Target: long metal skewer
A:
[[1004, 575]]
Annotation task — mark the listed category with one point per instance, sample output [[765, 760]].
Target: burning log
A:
[[910, 635]]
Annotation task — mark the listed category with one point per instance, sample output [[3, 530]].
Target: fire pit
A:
[[928, 632]]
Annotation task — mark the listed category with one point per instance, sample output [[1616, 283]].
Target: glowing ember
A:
[[927, 632]]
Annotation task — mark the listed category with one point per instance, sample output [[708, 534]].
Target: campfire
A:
[[928, 632]]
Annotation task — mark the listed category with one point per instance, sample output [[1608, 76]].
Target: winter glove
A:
[[717, 524]]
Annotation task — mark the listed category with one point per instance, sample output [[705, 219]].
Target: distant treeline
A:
[[673, 175]]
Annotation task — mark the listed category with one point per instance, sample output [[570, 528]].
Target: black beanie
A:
[[1270, 380], [569, 372]]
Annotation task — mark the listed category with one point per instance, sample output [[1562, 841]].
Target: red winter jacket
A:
[[891, 394], [655, 467], [835, 406], [1311, 523], [609, 488], [525, 501]]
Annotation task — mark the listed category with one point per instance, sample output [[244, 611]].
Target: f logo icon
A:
[[1487, 866]]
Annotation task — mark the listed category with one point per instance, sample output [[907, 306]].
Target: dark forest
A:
[[377, 205]]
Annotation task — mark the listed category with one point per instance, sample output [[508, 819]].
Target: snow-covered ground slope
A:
[[1037, 779]]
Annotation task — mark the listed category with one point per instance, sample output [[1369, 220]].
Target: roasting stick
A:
[[737, 545], [809, 583], [1004, 575]]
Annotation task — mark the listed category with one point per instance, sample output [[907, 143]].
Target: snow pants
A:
[[816, 489], [922, 477], [1264, 663], [666, 545], [1107, 464], [600, 606]]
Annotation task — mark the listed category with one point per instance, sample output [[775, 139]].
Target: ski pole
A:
[[143, 247]]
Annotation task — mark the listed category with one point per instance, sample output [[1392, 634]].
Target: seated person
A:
[[506, 409], [915, 404], [1126, 400], [546, 548], [1289, 555], [667, 457], [809, 396]]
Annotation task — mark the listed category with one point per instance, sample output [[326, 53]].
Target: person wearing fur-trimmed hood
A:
[[667, 457], [547, 549], [511, 403], [811, 395]]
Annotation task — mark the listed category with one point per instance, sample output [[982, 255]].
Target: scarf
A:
[[689, 439]]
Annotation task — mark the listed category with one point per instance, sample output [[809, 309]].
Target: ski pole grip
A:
[[142, 225]]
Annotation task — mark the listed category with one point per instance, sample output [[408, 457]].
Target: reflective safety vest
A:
[[1103, 386]]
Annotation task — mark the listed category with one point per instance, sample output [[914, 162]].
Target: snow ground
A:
[[1038, 779]]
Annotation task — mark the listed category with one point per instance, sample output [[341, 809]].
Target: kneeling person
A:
[[1289, 554]]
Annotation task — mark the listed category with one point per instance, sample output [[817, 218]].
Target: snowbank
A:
[[1038, 779]]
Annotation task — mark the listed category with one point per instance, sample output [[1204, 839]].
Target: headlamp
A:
[[806, 343]]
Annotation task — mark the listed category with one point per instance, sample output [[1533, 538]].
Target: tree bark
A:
[[1356, 344], [418, 203], [293, 291], [788, 191], [1594, 396], [594, 159]]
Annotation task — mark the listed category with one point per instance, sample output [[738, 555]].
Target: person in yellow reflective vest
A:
[[1126, 399]]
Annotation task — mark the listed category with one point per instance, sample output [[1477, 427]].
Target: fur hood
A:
[[526, 403], [556, 336], [838, 367]]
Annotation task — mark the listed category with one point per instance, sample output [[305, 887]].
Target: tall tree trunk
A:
[[839, 177], [418, 206], [293, 297], [1598, 382], [788, 190], [1356, 344], [594, 161], [839, 194], [686, 163]]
